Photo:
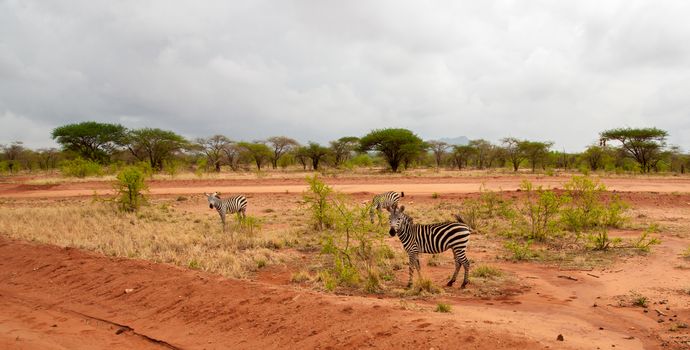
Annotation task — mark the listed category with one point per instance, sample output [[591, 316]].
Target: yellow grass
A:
[[156, 233]]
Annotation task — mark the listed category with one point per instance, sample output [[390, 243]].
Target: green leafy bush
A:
[[129, 187], [317, 201], [541, 208], [80, 168], [520, 251]]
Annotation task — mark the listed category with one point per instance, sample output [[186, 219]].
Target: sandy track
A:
[[421, 186]]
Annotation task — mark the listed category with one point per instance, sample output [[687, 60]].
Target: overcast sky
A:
[[549, 70]]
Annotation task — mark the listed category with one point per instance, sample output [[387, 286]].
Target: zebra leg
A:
[[222, 219], [413, 264], [466, 265], [455, 274]]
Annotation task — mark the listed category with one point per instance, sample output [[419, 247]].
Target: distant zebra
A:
[[384, 201], [433, 239], [233, 204]]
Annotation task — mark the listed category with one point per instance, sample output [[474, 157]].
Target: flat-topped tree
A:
[[316, 153], [643, 145], [395, 145], [90, 140]]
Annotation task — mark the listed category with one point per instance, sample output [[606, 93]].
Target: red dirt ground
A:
[[62, 298]]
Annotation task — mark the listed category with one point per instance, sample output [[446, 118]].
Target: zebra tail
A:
[[459, 218]]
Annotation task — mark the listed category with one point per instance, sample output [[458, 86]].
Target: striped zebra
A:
[[433, 239], [384, 201], [233, 204]]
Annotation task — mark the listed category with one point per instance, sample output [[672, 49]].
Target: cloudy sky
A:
[[317, 70]]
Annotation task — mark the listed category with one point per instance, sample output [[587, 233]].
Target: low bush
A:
[[80, 168]]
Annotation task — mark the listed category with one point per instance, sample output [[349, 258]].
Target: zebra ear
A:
[[392, 208], [402, 208]]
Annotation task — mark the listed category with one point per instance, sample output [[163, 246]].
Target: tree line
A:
[[623, 149]]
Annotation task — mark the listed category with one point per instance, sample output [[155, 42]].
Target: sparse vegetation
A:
[[443, 308], [157, 233], [486, 271]]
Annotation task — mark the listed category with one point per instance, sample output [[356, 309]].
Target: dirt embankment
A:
[[56, 298]]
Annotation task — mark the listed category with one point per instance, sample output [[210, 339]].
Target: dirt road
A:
[[411, 185]]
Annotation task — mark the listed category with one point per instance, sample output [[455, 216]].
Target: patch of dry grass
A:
[[157, 233]]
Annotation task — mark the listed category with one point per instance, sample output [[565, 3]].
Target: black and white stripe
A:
[[384, 201], [233, 204], [432, 239]]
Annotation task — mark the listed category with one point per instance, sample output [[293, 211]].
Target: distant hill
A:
[[460, 140]]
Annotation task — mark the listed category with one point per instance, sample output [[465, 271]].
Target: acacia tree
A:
[[91, 140], [232, 152], [594, 157], [461, 154], [535, 151], [513, 152], [395, 145], [482, 152], [316, 153], [643, 145], [280, 145], [154, 145], [12, 155], [214, 148], [342, 149], [439, 149], [257, 151]]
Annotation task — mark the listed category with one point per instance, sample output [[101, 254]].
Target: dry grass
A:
[[157, 233]]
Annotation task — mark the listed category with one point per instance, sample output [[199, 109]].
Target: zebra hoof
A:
[[450, 283], [464, 284]]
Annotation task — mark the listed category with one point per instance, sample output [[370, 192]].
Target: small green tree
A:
[[129, 187], [395, 145], [461, 155]]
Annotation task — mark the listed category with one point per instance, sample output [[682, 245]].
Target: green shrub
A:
[[443, 308], [80, 168], [172, 167], [599, 239], [541, 208], [644, 242], [317, 201], [129, 187], [520, 251]]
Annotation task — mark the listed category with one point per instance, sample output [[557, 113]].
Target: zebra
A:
[[233, 204], [433, 239], [384, 201]]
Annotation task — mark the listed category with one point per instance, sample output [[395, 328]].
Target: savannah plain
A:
[[75, 273]]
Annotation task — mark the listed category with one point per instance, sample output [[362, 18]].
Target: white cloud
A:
[[560, 71]]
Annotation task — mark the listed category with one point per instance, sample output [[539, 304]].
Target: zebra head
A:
[[398, 219], [212, 198]]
